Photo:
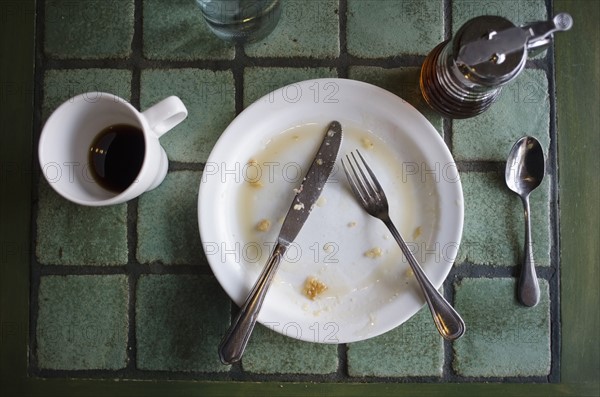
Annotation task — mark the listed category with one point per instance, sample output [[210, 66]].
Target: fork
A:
[[371, 196]]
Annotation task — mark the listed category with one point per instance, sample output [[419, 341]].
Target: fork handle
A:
[[448, 322]]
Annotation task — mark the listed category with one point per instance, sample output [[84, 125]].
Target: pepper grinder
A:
[[462, 77]]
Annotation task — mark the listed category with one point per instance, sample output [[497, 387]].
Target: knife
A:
[[235, 340]]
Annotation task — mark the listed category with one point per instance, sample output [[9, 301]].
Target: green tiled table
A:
[[120, 300]]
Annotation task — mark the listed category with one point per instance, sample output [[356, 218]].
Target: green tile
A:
[[522, 109], [305, 29], [71, 234], [180, 321], [388, 28], [91, 29], [518, 12], [210, 100], [82, 322], [168, 223], [413, 349], [403, 82], [269, 352], [261, 81], [503, 338], [493, 231], [60, 85], [176, 29]]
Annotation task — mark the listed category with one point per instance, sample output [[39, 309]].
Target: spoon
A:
[[524, 172]]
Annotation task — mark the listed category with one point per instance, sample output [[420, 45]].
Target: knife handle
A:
[[235, 340]]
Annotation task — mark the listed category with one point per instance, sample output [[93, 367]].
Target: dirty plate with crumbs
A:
[[344, 274]]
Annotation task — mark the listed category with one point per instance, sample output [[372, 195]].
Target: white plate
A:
[[365, 296]]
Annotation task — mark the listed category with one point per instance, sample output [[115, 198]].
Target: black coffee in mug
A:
[[116, 156]]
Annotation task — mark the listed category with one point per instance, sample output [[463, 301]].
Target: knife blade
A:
[[235, 340], [312, 185]]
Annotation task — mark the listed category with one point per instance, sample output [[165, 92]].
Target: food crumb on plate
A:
[[351, 224], [321, 201], [374, 253], [329, 248], [367, 143], [253, 177], [313, 287], [263, 226], [417, 233], [299, 206]]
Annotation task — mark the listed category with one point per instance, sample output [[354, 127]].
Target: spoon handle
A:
[[529, 289]]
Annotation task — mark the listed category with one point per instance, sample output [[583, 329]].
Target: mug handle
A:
[[165, 115]]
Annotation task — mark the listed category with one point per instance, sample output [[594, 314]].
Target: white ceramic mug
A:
[[70, 131]]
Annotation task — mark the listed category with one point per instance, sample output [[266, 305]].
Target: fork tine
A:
[[372, 191], [362, 183], [378, 189], [354, 182]]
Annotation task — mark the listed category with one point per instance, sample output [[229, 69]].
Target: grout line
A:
[[448, 372], [132, 281], [475, 166], [180, 166], [238, 69], [236, 370], [132, 205], [343, 370], [225, 65], [448, 353], [34, 287], [447, 4], [447, 129], [460, 270], [400, 60], [130, 268], [447, 124], [343, 64]]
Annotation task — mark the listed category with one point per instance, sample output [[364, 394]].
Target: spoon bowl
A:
[[525, 166], [524, 172]]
